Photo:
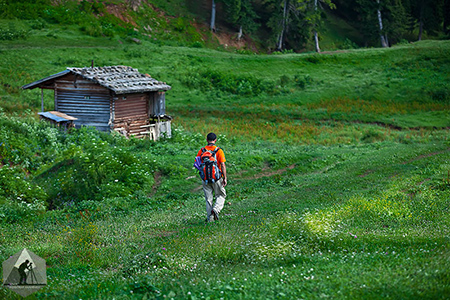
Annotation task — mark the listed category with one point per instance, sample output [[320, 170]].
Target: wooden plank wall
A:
[[130, 113], [84, 100]]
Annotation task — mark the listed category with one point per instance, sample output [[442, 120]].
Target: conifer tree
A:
[[241, 14], [428, 15]]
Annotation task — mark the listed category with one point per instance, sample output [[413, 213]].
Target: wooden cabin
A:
[[109, 98]]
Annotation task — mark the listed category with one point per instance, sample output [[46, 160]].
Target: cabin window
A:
[[124, 98], [87, 97]]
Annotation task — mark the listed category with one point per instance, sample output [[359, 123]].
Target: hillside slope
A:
[[176, 22]]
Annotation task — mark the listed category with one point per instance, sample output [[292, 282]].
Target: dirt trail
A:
[[370, 171], [425, 156], [157, 183]]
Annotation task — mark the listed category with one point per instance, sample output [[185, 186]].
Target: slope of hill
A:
[[176, 22]]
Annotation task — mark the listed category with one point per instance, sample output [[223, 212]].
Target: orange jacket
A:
[[220, 155]]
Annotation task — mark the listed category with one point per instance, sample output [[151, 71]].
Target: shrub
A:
[[98, 173], [303, 80], [92, 29], [12, 212], [37, 24], [93, 167], [372, 135], [243, 85], [349, 44], [284, 80], [197, 45], [26, 142], [12, 33], [19, 198], [15, 186], [441, 94]]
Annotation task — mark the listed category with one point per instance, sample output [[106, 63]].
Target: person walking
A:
[[210, 161]]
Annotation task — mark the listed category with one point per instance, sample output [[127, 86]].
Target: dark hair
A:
[[211, 137]]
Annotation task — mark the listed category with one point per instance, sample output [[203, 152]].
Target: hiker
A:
[[210, 162]]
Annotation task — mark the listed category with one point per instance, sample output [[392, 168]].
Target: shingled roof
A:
[[120, 79]]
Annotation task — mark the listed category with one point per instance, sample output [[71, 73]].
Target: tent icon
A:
[[24, 273]]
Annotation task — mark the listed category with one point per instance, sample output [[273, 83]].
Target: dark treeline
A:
[[291, 24], [279, 24]]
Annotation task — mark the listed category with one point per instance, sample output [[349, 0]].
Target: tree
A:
[[284, 22], [446, 23], [383, 37], [289, 22], [313, 11], [427, 15], [382, 19], [279, 20], [240, 13], [213, 17]]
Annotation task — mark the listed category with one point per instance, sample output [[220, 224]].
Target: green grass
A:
[[338, 175]]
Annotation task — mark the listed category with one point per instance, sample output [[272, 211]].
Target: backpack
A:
[[209, 170]]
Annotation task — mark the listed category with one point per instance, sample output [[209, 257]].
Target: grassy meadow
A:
[[338, 163]]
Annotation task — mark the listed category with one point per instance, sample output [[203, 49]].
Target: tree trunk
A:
[[421, 22], [316, 40], [420, 30], [239, 33], [384, 43], [283, 26], [316, 35], [446, 23], [213, 17]]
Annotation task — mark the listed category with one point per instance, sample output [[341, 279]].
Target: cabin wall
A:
[[157, 104], [130, 113], [83, 99]]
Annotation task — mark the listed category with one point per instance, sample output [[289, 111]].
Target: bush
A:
[[243, 85], [11, 33], [284, 80], [12, 212], [98, 172], [37, 24], [303, 80], [27, 142], [441, 94], [95, 167], [16, 187], [372, 135], [349, 44], [197, 45], [19, 198]]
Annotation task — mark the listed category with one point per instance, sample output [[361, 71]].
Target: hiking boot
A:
[[215, 215]]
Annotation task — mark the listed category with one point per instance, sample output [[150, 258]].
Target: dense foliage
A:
[[276, 24]]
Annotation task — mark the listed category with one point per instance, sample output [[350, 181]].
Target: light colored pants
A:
[[210, 189]]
